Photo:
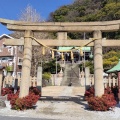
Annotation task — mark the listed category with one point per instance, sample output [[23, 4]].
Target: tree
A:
[[110, 59], [86, 11], [110, 11], [51, 67], [29, 14], [76, 11], [90, 65]]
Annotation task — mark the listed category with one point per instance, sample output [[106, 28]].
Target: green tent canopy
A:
[[115, 68]]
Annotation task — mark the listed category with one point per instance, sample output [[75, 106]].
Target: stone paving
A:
[[63, 91]]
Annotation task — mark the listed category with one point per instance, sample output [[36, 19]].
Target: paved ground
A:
[[62, 103], [63, 91], [20, 118]]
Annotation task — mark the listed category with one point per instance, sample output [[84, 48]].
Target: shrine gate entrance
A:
[[62, 28]]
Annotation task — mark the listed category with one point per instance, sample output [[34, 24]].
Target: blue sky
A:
[[11, 9]]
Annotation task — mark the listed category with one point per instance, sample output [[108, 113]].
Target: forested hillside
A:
[[89, 10]]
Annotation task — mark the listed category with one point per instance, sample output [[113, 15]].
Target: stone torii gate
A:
[[62, 28]]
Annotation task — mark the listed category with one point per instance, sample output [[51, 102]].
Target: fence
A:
[[10, 81], [107, 81]]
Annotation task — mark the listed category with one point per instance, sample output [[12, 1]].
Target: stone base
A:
[[2, 101]]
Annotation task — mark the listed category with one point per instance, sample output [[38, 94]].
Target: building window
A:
[[3, 45], [19, 74], [20, 48], [4, 59], [9, 49], [20, 61]]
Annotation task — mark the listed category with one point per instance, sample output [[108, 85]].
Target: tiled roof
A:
[[5, 35], [115, 68]]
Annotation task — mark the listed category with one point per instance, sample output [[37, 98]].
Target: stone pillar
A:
[[98, 64], [87, 78], [117, 82], [62, 35], [15, 85], [113, 81], [92, 79], [52, 79], [26, 65], [1, 81], [119, 86], [109, 80], [105, 85], [82, 78], [105, 80], [39, 79], [1, 78]]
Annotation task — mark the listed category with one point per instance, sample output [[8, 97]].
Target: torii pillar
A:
[[26, 66], [98, 64]]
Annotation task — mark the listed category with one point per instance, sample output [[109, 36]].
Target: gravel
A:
[[63, 110]]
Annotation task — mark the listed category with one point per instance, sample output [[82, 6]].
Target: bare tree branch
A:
[[30, 14]]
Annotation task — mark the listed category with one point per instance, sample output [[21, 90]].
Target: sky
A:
[[11, 9]]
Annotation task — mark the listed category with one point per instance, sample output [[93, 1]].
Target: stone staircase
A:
[[71, 75]]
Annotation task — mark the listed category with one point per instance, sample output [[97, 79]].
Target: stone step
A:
[[71, 77], [71, 74], [61, 98]]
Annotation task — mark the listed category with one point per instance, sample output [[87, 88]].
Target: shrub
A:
[[22, 103], [51, 67], [46, 76], [9, 68], [35, 90], [107, 90], [103, 103], [89, 93], [6, 91], [25, 102], [109, 100], [12, 96]]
